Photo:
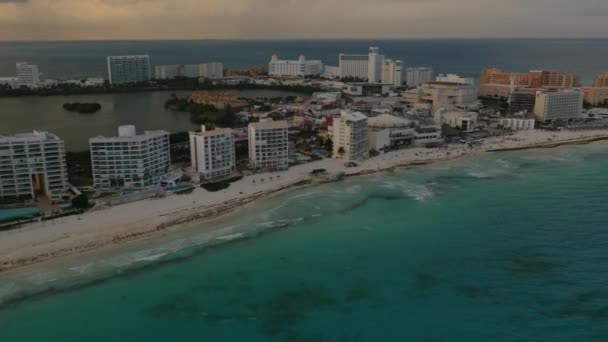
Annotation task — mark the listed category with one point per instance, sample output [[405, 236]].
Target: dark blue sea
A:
[[466, 57]]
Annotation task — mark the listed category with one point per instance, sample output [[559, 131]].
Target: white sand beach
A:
[[69, 236]]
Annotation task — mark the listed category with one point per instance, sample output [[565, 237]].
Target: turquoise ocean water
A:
[[500, 247]]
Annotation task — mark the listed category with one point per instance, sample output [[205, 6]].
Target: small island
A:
[[82, 108]]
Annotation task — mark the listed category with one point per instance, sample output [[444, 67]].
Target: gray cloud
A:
[[192, 19]]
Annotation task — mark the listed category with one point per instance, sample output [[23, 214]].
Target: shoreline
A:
[[37, 243]]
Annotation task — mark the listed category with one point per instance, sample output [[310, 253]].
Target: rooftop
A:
[[30, 136], [269, 124], [388, 121]]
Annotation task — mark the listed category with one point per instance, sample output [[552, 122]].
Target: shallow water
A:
[[503, 247]]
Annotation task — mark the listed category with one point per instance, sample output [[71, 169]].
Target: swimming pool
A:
[[180, 187], [13, 214]]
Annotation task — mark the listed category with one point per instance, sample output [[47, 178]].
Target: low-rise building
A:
[[465, 121], [219, 100], [558, 105], [269, 145], [350, 136], [518, 124], [294, 68], [206, 70], [426, 135], [32, 164], [367, 89], [436, 95], [130, 160], [596, 95], [212, 153], [454, 79], [11, 82]]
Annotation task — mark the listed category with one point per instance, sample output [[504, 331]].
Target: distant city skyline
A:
[[300, 19]]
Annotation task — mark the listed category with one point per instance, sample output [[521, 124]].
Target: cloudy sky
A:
[[191, 19]]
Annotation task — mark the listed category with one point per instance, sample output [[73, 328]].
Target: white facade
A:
[[350, 136], [517, 124], [392, 72], [356, 66], [376, 61], [164, 72], [558, 105], [418, 76], [207, 70], [212, 153], [379, 140], [428, 135], [128, 69], [269, 145], [9, 81], [463, 120], [437, 95], [32, 164], [28, 75], [454, 79], [130, 160], [294, 68], [331, 72]]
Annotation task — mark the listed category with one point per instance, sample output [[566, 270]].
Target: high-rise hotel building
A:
[[128, 69], [28, 75], [365, 67], [32, 164], [130, 160], [350, 136], [213, 153], [294, 68], [558, 105], [269, 145]]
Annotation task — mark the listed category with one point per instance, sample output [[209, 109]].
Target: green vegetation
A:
[[79, 168], [82, 108], [180, 83], [204, 114], [81, 201], [221, 185]]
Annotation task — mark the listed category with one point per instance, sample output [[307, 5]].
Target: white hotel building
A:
[[269, 145], [32, 164], [28, 75], [294, 68], [212, 153], [130, 160], [207, 70], [366, 67], [392, 72], [350, 136], [558, 105]]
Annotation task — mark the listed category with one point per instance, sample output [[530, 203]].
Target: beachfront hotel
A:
[[128, 69], [350, 136], [558, 105], [212, 153], [294, 68], [28, 75], [31, 165], [365, 67], [269, 145], [130, 160]]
